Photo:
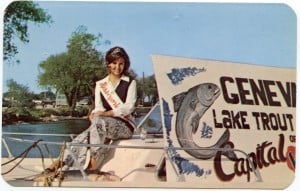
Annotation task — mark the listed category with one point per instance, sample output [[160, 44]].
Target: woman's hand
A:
[[101, 113]]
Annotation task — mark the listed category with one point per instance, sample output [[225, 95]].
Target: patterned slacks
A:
[[102, 130]]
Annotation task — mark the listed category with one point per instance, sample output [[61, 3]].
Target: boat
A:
[[136, 162], [144, 161]]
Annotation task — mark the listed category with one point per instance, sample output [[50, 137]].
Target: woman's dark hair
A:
[[116, 53]]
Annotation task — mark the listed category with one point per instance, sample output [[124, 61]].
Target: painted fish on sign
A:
[[220, 119]]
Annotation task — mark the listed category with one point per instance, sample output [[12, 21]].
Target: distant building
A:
[[83, 102], [61, 100]]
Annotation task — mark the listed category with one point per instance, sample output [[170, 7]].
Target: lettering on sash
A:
[[110, 95], [113, 100]]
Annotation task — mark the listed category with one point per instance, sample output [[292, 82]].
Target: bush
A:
[[82, 111], [43, 112], [64, 111], [17, 114]]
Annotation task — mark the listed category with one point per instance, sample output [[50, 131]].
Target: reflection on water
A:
[[153, 122], [61, 127], [151, 125]]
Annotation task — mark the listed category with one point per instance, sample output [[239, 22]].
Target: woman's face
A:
[[117, 67]]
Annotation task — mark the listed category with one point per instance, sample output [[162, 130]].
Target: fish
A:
[[76, 175], [190, 107]]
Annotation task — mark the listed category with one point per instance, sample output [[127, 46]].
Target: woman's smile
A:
[[117, 66]]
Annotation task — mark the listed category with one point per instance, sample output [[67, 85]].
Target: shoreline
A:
[[48, 119], [14, 118]]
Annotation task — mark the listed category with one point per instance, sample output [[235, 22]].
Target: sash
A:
[[114, 100], [110, 95]]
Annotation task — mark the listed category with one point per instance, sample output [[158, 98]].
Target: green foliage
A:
[[19, 111], [64, 111], [54, 72], [38, 113], [74, 72], [19, 95], [16, 18], [150, 87], [23, 114], [147, 87], [16, 114], [82, 111], [46, 95]]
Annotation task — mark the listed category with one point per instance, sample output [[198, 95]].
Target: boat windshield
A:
[[151, 122]]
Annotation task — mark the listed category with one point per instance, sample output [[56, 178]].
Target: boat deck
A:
[[136, 167]]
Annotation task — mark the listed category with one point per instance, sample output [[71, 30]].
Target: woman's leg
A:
[[103, 130], [78, 152]]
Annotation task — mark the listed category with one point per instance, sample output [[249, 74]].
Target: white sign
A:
[[227, 124]]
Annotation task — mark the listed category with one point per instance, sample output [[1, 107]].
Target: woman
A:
[[115, 98]]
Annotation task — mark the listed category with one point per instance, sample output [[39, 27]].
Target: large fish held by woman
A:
[[190, 107]]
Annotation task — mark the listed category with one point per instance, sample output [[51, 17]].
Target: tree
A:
[[75, 72], [47, 95], [54, 72], [146, 87], [20, 95], [16, 18]]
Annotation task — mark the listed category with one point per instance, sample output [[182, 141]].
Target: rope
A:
[[48, 151], [61, 157], [42, 156], [23, 155], [58, 173], [256, 172]]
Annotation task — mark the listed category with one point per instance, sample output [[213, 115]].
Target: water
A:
[[74, 126], [61, 127]]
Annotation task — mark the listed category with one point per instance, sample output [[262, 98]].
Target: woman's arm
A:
[[99, 109], [129, 105], [124, 110], [101, 113]]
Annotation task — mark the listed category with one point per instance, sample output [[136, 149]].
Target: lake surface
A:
[[61, 127], [74, 126]]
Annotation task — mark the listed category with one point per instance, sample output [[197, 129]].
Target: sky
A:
[[261, 34], [254, 33]]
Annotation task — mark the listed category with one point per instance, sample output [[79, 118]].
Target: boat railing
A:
[[113, 146], [142, 136]]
